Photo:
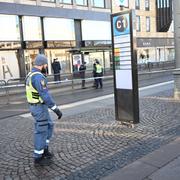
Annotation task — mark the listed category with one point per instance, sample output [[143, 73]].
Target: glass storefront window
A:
[[9, 28], [63, 56], [81, 2], [31, 34], [9, 68], [98, 3], [107, 62], [59, 29], [91, 59], [29, 57]]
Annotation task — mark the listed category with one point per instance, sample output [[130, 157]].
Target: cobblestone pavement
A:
[[89, 145]]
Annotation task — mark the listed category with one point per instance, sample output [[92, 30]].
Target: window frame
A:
[[138, 25], [82, 4], [66, 2], [137, 4], [147, 2], [148, 24], [93, 4]]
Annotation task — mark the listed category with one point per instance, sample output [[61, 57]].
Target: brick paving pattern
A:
[[89, 145]]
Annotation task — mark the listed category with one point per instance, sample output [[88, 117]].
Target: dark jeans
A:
[[99, 80], [82, 75], [56, 77]]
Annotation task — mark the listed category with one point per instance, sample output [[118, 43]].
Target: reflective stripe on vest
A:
[[98, 68], [31, 93]]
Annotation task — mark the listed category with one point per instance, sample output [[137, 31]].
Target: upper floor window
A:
[[81, 2], [49, 0], [147, 5], [148, 24], [138, 23], [66, 1], [9, 28], [98, 3], [137, 4]]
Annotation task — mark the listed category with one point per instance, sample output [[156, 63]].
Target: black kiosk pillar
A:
[[125, 67]]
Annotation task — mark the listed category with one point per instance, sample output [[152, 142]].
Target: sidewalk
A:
[[162, 164], [89, 144]]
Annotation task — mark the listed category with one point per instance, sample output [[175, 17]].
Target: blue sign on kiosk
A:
[[125, 67]]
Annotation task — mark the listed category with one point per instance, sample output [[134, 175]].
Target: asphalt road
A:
[[68, 95]]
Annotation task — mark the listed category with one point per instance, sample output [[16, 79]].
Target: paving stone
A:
[[89, 145]]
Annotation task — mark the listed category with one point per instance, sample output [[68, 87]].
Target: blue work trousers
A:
[[43, 128]]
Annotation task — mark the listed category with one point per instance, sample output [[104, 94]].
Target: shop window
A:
[[138, 24], [9, 66], [81, 2], [63, 56], [98, 3], [137, 4], [148, 24]]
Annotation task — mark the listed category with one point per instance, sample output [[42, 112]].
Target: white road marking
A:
[[78, 103]]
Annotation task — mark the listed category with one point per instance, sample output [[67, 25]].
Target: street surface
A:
[[17, 103], [88, 143]]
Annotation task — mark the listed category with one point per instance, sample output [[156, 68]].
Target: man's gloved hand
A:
[[58, 113]]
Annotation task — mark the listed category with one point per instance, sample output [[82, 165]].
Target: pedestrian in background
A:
[[99, 74], [56, 69], [40, 100], [94, 74], [82, 70]]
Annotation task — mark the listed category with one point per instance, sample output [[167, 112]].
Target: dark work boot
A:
[[47, 154], [41, 161]]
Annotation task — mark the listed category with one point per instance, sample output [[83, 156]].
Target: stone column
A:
[[176, 15]]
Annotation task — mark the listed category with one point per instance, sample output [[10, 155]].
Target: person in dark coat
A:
[[56, 68], [82, 70], [94, 74]]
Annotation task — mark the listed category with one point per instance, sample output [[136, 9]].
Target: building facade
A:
[[70, 30], [155, 34]]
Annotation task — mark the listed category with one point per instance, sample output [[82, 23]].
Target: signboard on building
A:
[[125, 67]]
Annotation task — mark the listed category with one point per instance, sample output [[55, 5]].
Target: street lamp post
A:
[[176, 10]]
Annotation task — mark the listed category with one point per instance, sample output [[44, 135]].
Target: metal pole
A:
[[176, 6]]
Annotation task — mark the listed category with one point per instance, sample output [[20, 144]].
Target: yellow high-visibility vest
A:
[[98, 68], [32, 94]]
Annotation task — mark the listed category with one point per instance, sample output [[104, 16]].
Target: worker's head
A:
[[41, 62], [96, 61]]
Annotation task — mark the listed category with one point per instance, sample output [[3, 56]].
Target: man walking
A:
[[56, 68], [82, 70], [39, 101], [99, 74]]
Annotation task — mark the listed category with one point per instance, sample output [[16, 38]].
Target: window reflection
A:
[[66, 1], [63, 56], [98, 3], [29, 32], [81, 2], [9, 28], [9, 67]]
